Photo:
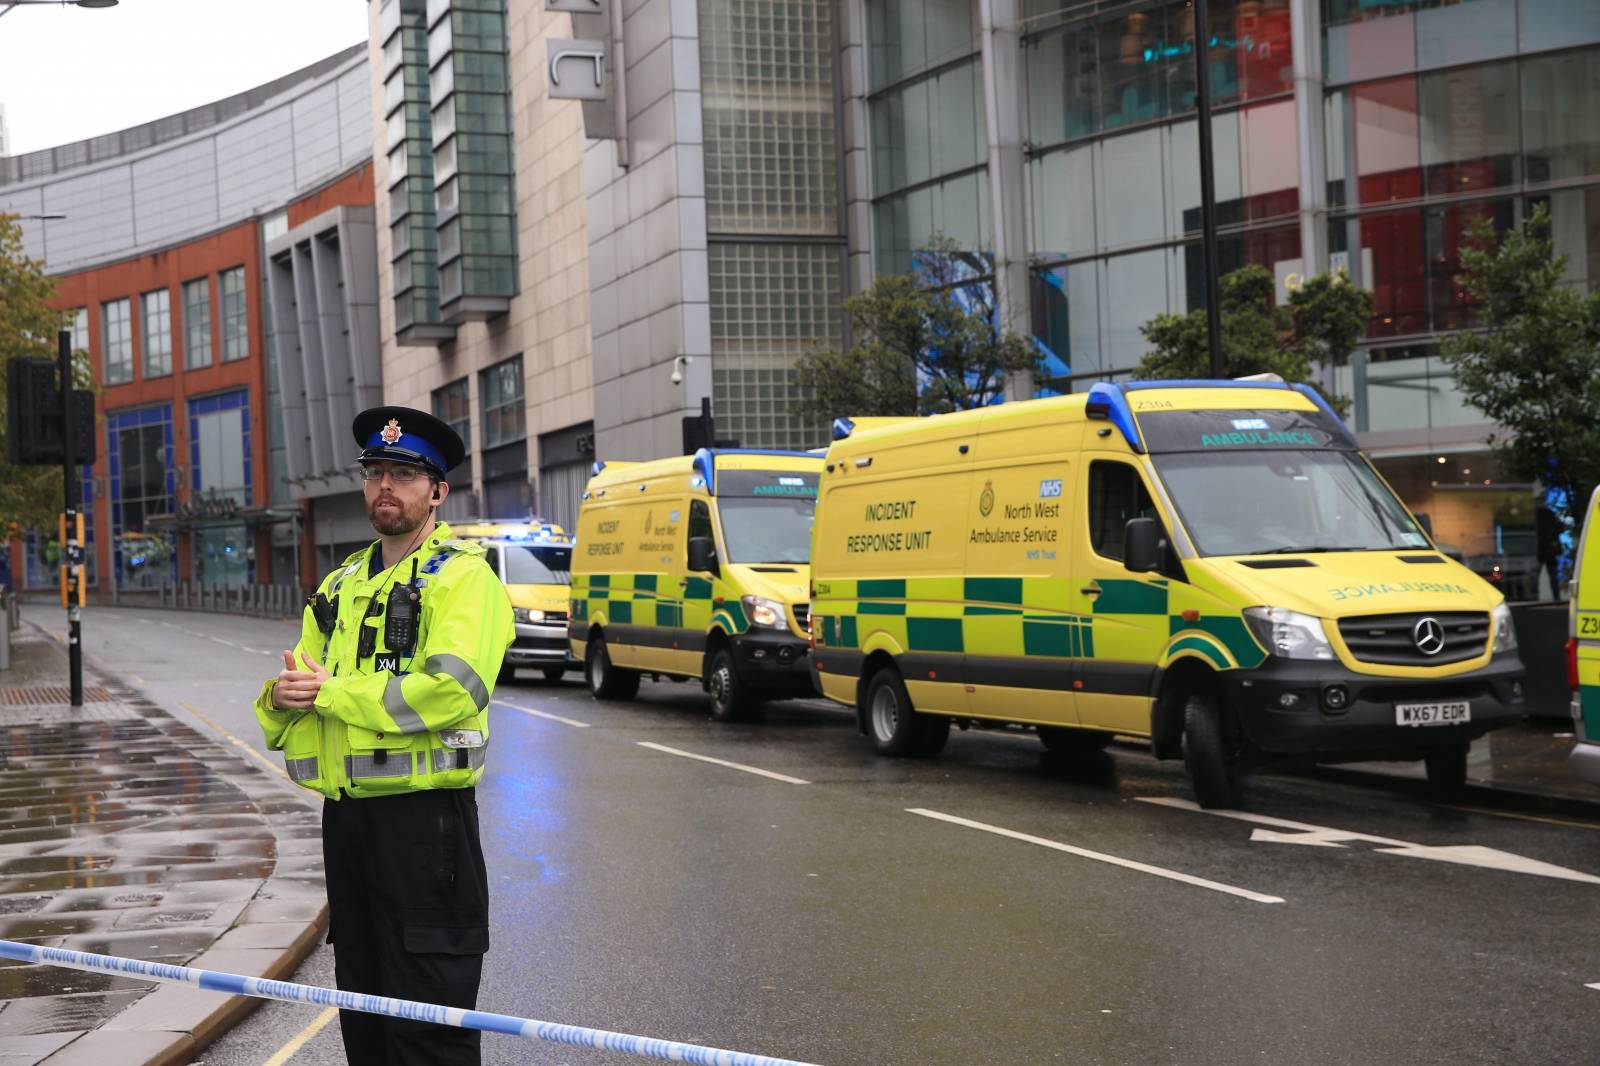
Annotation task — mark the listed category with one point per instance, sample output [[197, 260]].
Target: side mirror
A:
[[702, 555], [1142, 546]]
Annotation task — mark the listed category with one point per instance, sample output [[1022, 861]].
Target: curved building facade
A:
[[165, 257]]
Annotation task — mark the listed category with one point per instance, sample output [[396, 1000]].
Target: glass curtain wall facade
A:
[[1112, 170], [775, 242], [1434, 114], [929, 134], [409, 141]]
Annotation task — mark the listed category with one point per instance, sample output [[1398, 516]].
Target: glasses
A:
[[400, 475]]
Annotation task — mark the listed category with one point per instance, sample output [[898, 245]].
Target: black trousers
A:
[[408, 899]]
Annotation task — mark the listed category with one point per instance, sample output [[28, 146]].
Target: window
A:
[[235, 316], [116, 342], [500, 392], [220, 470], [80, 329], [155, 316], [197, 323], [700, 521], [142, 485], [1116, 494], [452, 405]]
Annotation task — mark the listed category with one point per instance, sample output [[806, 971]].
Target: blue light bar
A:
[[842, 428], [1107, 401]]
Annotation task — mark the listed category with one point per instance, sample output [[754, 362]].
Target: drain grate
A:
[[16, 697]]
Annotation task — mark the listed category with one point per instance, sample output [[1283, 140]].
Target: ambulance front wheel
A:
[[729, 700], [1208, 752], [897, 729], [608, 682]]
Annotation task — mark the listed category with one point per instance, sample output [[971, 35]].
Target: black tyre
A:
[[730, 699], [1208, 751], [608, 682], [1065, 741], [895, 727], [554, 674], [1447, 771]]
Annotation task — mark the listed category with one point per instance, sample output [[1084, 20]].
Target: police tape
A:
[[262, 988]]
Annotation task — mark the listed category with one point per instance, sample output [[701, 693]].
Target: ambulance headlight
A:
[[1505, 632], [1289, 634], [526, 616], [764, 612]]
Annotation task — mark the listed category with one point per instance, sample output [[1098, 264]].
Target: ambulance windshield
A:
[[764, 529], [1280, 501]]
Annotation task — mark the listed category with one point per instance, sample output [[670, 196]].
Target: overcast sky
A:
[[67, 73]]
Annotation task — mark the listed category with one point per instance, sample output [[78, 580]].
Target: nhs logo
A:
[[1249, 423], [1049, 489]]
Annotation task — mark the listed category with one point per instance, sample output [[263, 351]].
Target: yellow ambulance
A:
[[697, 567], [1583, 647], [534, 561], [1212, 565]]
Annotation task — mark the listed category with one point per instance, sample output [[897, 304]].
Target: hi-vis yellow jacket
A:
[[385, 723]]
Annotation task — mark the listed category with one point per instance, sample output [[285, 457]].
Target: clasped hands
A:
[[297, 689]]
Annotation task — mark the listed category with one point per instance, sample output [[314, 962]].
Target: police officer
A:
[[383, 708]]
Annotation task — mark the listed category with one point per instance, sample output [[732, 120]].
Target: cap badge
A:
[[391, 432]]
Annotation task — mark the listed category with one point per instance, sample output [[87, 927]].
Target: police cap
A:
[[406, 435]]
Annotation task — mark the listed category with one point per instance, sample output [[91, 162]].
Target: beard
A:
[[398, 520]]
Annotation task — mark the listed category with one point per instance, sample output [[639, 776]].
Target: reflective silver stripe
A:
[[396, 764], [463, 672], [301, 769], [446, 758], [394, 701]]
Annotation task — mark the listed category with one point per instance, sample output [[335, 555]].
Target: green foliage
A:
[[1320, 327], [934, 326], [30, 496], [1534, 366]]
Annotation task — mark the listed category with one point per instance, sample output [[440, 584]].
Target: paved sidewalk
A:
[[126, 832], [1522, 766]]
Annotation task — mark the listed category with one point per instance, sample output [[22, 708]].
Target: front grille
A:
[[802, 616], [1390, 639], [556, 616]]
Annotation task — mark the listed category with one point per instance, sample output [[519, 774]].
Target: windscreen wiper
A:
[[1313, 550]]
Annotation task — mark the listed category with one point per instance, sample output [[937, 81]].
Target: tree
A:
[[1533, 368], [30, 496], [926, 342], [1325, 317]]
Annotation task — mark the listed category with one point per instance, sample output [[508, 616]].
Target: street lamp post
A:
[[1208, 192]]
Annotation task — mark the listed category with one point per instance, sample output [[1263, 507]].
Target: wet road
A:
[[803, 897]]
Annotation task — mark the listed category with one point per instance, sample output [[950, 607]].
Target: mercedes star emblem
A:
[[1428, 635]]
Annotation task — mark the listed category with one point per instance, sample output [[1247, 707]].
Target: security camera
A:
[[678, 363], [677, 376]]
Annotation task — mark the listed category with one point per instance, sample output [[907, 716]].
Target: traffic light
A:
[[33, 416]]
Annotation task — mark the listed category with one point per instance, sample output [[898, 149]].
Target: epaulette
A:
[[446, 550]]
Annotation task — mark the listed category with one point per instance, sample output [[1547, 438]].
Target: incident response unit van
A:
[[1212, 565], [1583, 646], [697, 567], [534, 561]]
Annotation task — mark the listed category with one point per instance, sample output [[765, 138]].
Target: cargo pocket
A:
[[455, 759], [379, 763], [445, 939], [302, 750]]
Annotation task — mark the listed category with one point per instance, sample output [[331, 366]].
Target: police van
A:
[[1212, 565], [697, 567], [1583, 647], [534, 561]]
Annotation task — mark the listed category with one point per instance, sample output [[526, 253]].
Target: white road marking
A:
[[1084, 853], [1595, 986], [542, 714], [1324, 837], [723, 762]]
